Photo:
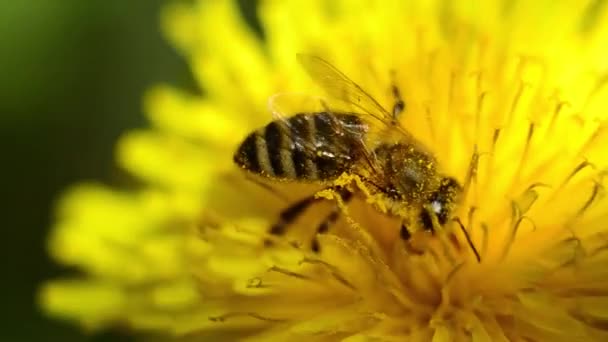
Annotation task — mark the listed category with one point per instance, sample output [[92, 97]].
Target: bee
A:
[[321, 145]]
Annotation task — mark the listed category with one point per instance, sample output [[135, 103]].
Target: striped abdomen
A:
[[309, 146]]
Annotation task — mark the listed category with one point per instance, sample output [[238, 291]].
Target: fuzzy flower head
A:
[[509, 97]]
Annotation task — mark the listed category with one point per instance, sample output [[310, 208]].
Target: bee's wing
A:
[[284, 106], [339, 87]]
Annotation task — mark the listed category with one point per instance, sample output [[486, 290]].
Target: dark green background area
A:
[[72, 75]]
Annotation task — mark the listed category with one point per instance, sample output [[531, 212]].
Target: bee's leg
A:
[[330, 219], [430, 221], [291, 213], [404, 232], [399, 105], [426, 220]]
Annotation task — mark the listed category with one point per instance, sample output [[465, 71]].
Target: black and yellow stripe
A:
[[302, 129], [307, 147]]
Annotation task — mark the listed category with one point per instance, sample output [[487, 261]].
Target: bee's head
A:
[[441, 203]]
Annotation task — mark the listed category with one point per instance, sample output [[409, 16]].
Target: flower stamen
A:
[[333, 271], [598, 189], [513, 234], [227, 316], [469, 240]]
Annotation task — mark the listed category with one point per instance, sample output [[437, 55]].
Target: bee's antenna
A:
[[468, 237]]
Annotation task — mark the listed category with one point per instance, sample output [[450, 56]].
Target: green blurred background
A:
[[73, 73]]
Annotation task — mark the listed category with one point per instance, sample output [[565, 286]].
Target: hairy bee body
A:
[[320, 144], [309, 147], [304, 147]]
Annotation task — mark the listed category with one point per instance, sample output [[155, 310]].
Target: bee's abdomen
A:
[[313, 146]]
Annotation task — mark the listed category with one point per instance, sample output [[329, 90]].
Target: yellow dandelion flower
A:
[[509, 96]]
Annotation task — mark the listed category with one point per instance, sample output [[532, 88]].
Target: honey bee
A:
[[322, 145]]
